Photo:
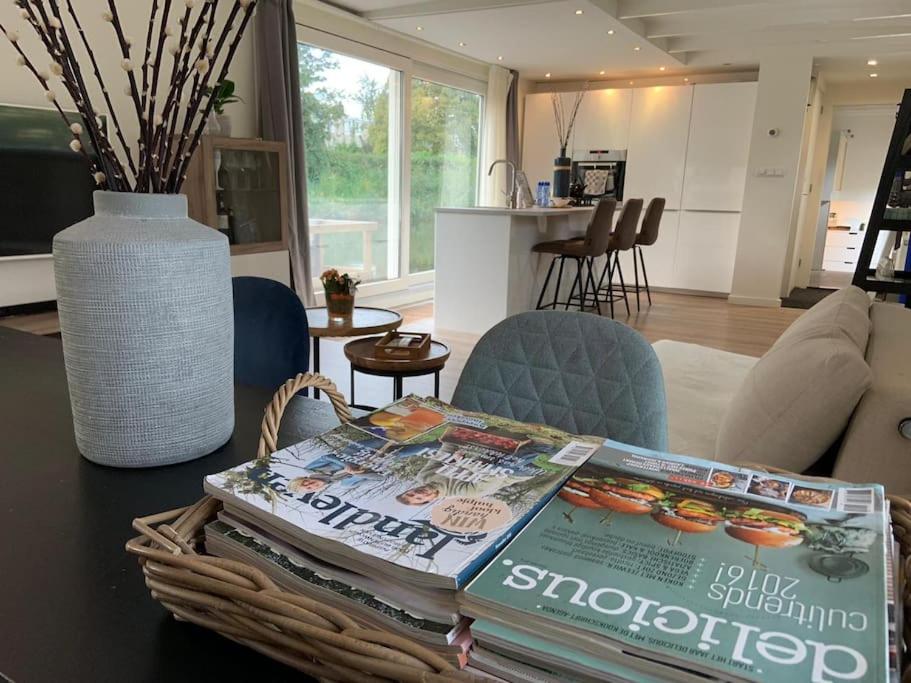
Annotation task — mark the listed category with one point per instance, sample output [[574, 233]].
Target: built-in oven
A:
[[598, 174]]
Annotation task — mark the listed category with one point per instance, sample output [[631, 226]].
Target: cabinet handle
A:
[[851, 248]]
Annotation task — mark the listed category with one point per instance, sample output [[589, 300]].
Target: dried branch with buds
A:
[[171, 115], [564, 123]]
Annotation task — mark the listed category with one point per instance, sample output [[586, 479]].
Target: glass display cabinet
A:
[[240, 187]]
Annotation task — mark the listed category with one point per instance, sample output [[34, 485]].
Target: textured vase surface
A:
[[146, 315]]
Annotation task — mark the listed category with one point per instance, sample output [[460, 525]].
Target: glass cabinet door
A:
[[248, 195]]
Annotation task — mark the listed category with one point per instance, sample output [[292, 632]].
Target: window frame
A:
[[401, 152]]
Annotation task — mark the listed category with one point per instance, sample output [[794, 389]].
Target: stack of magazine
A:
[[654, 567], [387, 517]]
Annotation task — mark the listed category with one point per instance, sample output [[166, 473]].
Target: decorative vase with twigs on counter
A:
[[143, 292], [564, 120], [340, 290]]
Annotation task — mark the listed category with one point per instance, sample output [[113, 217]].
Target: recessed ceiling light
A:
[[547, 75], [661, 68], [499, 58], [601, 73], [420, 28], [578, 11], [637, 48], [461, 44], [610, 31], [872, 62], [631, 82], [874, 75], [686, 80]]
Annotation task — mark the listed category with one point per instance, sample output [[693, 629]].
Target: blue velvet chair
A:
[[574, 371], [271, 336]]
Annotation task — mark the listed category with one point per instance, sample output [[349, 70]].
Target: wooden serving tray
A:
[[403, 345]]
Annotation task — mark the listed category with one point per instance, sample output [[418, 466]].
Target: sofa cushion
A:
[[700, 383], [873, 449], [794, 402], [845, 312]]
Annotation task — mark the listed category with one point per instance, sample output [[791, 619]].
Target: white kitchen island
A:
[[485, 268]]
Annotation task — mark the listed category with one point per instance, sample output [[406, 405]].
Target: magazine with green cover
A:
[[736, 573], [417, 489]]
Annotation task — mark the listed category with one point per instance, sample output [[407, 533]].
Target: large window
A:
[[350, 108], [445, 135], [385, 146]]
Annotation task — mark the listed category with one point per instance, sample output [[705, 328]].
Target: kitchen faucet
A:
[[511, 195]]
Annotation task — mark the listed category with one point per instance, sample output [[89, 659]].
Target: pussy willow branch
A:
[[176, 180], [178, 145], [155, 152], [39, 21], [81, 95], [188, 99], [118, 130]]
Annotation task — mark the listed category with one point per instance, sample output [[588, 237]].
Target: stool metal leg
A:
[[352, 384], [636, 276], [622, 283], [591, 280], [436, 384], [559, 282], [396, 388], [576, 281], [546, 282], [648, 292], [583, 284]]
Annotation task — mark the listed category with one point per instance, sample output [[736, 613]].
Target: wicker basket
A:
[[241, 603]]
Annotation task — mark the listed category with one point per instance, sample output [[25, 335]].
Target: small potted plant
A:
[[222, 94], [340, 290]]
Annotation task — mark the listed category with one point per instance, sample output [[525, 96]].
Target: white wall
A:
[[769, 206], [871, 129]]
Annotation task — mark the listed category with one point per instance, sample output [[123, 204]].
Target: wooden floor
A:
[[698, 320]]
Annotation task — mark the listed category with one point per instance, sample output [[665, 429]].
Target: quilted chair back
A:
[[577, 372]]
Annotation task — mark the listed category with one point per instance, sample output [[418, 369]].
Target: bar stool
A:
[[583, 252], [622, 239], [647, 236]]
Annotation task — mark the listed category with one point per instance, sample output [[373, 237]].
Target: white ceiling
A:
[[684, 36]]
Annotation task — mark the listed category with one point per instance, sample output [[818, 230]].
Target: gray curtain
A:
[[512, 120], [278, 79]]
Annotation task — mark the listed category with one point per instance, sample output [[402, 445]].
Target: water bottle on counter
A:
[[544, 194]]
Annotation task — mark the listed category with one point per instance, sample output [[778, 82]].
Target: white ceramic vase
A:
[[146, 315]]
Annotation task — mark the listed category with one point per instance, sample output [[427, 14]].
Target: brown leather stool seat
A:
[[583, 252]]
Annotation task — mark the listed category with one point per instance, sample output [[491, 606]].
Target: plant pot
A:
[[146, 315], [340, 306], [213, 125], [224, 123]]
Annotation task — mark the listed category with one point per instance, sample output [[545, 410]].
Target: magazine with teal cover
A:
[[418, 486], [737, 573]]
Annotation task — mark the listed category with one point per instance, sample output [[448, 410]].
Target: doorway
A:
[[857, 150]]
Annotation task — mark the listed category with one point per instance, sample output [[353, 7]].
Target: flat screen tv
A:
[[44, 185]]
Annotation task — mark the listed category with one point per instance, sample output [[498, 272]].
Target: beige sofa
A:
[[833, 388]]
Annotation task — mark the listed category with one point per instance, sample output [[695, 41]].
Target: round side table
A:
[[364, 320], [361, 354]]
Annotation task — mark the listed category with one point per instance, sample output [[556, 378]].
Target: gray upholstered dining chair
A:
[[574, 371]]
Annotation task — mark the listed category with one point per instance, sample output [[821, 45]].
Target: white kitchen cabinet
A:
[[539, 148], [656, 157], [706, 248], [719, 145], [603, 121]]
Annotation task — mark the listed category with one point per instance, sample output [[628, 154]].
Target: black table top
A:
[[73, 603]]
